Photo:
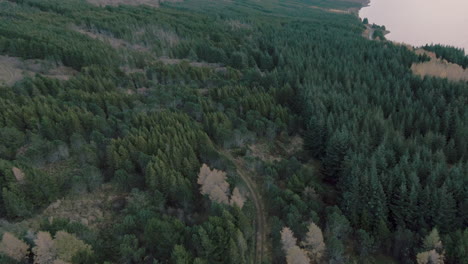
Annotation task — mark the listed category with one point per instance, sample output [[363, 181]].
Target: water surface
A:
[[420, 22]]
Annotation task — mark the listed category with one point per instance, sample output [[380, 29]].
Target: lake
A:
[[420, 22]]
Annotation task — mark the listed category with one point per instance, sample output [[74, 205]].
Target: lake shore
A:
[[435, 67]]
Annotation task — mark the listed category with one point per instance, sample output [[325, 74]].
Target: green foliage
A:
[[451, 54], [172, 86], [21, 195]]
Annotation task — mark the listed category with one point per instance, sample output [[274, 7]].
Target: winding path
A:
[[260, 237]]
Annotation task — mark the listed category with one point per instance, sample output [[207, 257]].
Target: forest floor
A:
[[261, 223], [114, 42], [9, 72], [331, 10], [283, 148], [437, 67], [152, 3], [95, 210], [13, 69], [216, 66], [123, 44]]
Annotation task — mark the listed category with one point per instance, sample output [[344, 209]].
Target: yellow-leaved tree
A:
[[314, 244], [294, 254], [13, 247], [59, 250], [434, 253], [214, 184]]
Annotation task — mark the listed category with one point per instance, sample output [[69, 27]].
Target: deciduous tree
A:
[[13, 247]]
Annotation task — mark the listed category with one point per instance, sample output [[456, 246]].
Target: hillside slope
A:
[[322, 146]]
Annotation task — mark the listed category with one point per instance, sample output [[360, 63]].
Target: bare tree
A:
[[314, 244], [237, 198], [287, 239], [13, 247], [60, 250], [44, 251], [430, 257], [296, 255], [214, 184], [434, 253], [432, 241]]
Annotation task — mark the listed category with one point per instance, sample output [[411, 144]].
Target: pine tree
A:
[[335, 153], [180, 255], [315, 138]]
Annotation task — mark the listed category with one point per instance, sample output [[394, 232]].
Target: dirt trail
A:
[[259, 206]]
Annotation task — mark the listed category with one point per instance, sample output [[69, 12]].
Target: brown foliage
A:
[[152, 3], [314, 244], [287, 239], [19, 174], [13, 69], [13, 247], [434, 247], [213, 183], [430, 257], [60, 250], [237, 198], [441, 69], [44, 251], [296, 255]]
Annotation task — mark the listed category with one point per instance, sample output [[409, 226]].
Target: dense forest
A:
[[225, 132]]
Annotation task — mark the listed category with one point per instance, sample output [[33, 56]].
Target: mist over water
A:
[[420, 22]]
